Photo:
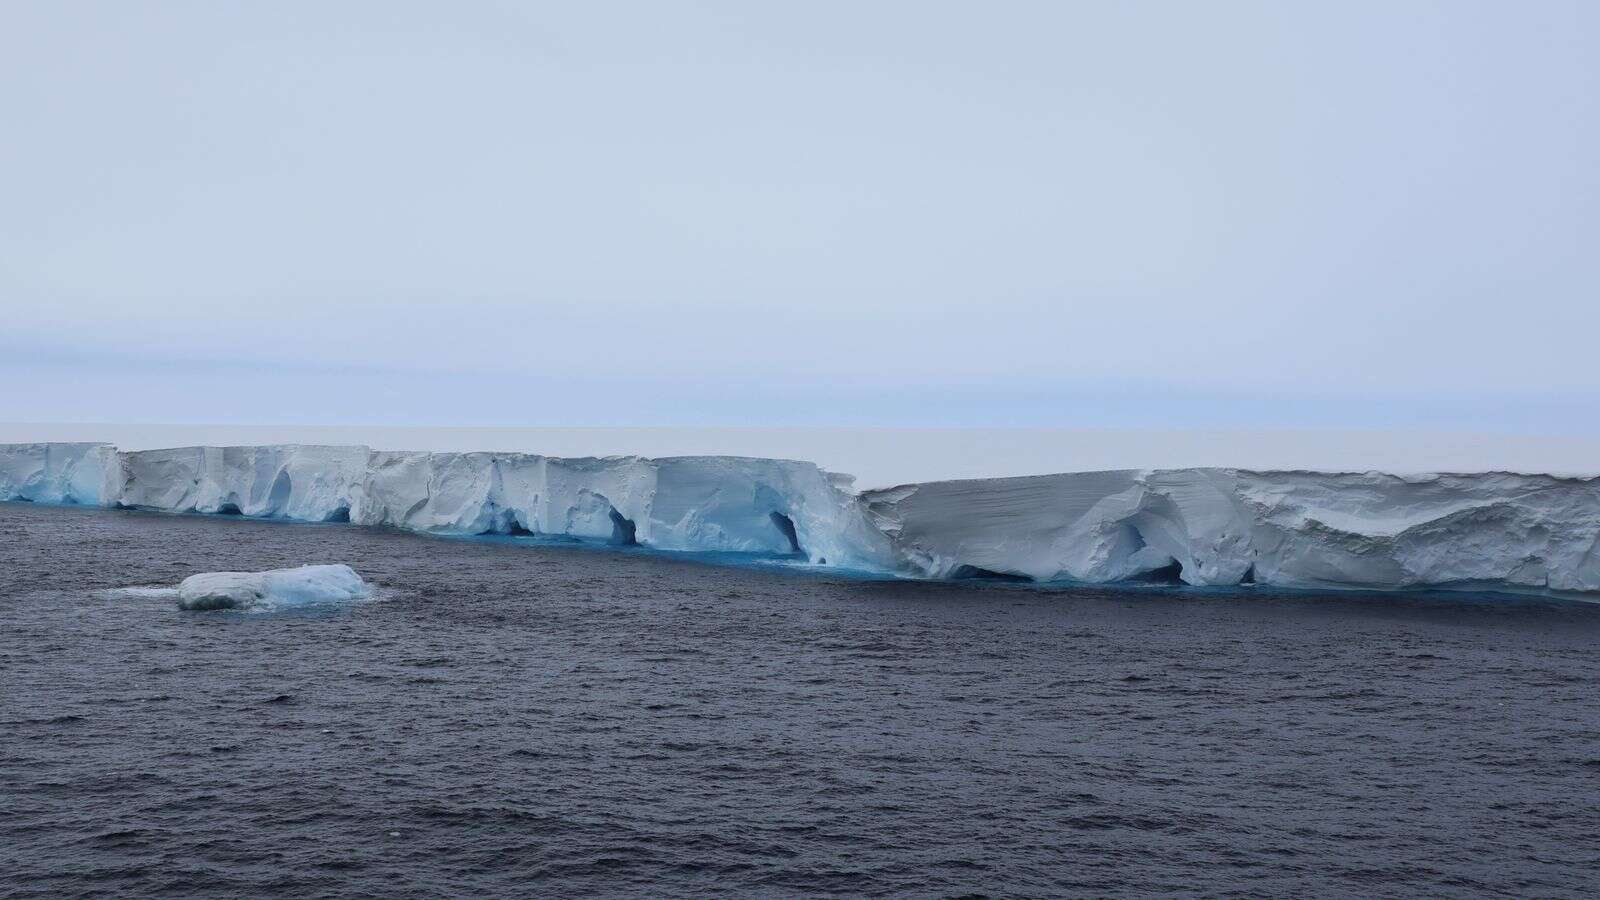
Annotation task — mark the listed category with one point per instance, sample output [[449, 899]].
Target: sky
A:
[[1154, 215]]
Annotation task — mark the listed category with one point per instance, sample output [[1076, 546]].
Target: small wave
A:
[[138, 593], [48, 720]]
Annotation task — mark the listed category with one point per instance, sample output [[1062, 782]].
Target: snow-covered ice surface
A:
[[1198, 526]]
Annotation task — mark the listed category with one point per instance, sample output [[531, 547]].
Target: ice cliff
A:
[[684, 503], [58, 473], [1232, 527], [1194, 526]]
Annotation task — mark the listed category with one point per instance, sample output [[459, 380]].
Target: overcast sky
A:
[[1192, 214]]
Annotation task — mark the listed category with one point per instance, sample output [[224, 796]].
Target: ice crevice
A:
[[1208, 526], [624, 531], [785, 526]]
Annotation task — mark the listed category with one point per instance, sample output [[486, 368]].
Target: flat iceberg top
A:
[[276, 587], [886, 456]]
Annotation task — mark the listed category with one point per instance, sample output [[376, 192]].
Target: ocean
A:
[[514, 719]]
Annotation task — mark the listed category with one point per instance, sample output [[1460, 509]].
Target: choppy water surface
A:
[[544, 720]]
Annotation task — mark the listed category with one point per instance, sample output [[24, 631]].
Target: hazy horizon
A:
[[1236, 215]]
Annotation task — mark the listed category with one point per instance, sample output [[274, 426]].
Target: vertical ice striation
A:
[[304, 483], [503, 493]]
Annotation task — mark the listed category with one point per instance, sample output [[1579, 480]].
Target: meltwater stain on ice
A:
[[274, 588]]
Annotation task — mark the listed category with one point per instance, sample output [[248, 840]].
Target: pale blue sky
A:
[[1163, 214]]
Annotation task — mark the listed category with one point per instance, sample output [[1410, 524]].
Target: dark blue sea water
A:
[[547, 721]]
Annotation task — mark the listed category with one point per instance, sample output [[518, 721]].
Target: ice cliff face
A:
[[686, 503], [1192, 526], [58, 473], [683, 503], [311, 484], [1230, 527]]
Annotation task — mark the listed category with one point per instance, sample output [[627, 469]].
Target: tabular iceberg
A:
[[312, 484], [1192, 526], [58, 473], [1232, 527]]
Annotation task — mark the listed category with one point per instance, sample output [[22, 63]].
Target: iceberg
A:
[[1203, 527], [311, 484], [1225, 527], [62, 473], [716, 503], [275, 587]]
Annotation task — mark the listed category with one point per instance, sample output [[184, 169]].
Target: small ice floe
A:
[[277, 587]]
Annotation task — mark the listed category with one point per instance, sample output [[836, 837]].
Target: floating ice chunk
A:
[[242, 590]]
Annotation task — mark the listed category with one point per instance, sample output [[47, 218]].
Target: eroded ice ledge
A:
[[1194, 526]]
